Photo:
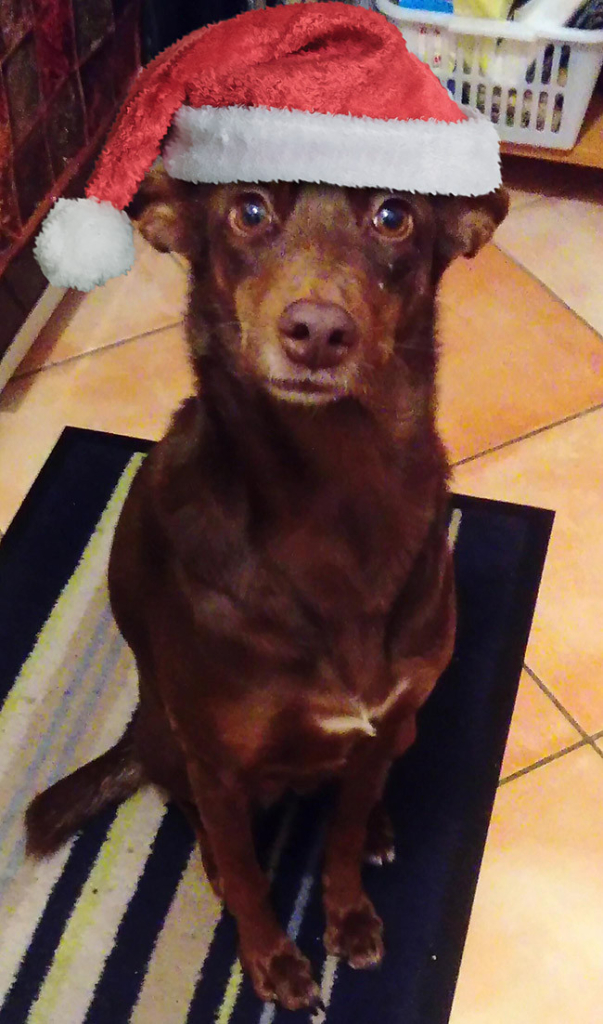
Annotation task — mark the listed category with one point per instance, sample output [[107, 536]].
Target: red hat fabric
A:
[[318, 92]]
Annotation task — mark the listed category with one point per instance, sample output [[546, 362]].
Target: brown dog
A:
[[281, 568]]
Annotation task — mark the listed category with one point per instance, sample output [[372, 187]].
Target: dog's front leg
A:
[[277, 969], [354, 930]]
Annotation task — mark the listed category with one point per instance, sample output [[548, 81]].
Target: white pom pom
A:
[[83, 243]]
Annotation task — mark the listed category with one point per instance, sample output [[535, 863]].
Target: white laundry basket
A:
[[534, 86]]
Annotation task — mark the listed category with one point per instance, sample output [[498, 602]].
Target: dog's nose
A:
[[318, 335]]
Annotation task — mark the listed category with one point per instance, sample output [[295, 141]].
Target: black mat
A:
[[440, 795]]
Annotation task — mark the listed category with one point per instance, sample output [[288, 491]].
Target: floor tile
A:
[[561, 469], [130, 389], [538, 729], [534, 948], [499, 330], [152, 295], [560, 241], [520, 197]]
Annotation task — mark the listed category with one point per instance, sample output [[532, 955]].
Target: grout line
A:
[[549, 290], [530, 433], [597, 735], [101, 348], [544, 761], [566, 714], [526, 199], [585, 740]]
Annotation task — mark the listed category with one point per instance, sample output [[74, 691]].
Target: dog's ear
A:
[[464, 224], [157, 210]]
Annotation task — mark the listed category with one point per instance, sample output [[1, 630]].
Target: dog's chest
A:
[[283, 737], [319, 592], [318, 675], [345, 552]]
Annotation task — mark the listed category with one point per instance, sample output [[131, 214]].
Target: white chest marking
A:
[[362, 720], [401, 687], [338, 725]]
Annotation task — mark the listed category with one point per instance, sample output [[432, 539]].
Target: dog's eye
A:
[[393, 219], [250, 214]]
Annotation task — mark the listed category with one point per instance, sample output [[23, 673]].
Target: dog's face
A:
[[322, 280], [315, 291]]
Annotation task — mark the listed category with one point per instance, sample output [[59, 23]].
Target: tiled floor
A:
[[522, 414]]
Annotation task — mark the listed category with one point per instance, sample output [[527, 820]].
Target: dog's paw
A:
[[379, 847], [355, 934], [284, 976]]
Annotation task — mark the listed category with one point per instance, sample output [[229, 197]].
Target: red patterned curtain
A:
[[64, 67]]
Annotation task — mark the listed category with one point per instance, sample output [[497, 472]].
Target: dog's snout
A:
[[318, 335]]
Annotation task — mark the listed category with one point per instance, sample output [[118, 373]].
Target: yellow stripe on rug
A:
[[180, 951], [43, 759], [90, 932], [23, 910], [327, 982], [55, 636], [23, 902]]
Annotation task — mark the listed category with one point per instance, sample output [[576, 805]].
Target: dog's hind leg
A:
[[55, 814]]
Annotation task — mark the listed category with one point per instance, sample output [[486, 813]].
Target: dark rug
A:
[[121, 925]]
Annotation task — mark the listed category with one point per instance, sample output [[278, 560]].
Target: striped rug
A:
[[121, 925]]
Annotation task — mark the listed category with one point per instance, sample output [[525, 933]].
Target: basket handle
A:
[[490, 27]]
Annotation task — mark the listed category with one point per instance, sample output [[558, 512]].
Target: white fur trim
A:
[[83, 243], [213, 144]]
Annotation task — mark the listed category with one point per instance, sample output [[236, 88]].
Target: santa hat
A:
[[319, 92]]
